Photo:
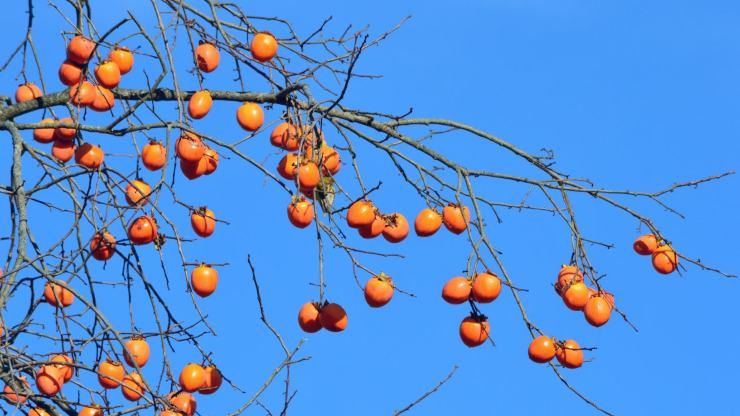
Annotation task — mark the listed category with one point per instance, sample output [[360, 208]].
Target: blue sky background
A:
[[630, 94]]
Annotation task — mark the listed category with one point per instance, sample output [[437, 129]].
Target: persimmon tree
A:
[[105, 212]]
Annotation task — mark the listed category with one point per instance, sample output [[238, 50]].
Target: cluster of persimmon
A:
[[193, 378], [370, 222], [196, 159], [49, 377], [312, 317], [82, 93], [482, 288], [569, 354], [596, 305], [309, 158], [664, 258], [111, 374]]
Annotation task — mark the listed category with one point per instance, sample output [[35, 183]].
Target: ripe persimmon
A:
[[300, 212], [200, 104], [26, 92], [136, 350], [37, 411], [373, 229], [190, 147], [598, 310], [104, 100], [132, 387], [80, 49], [194, 170], [70, 73], [360, 213], [665, 259], [65, 133], [13, 396], [204, 280], [63, 150], [94, 410], [213, 380], [250, 116], [456, 218], [486, 287], [308, 175], [44, 135], [285, 136], [569, 354], [308, 317], [142, 230], [82, 94], [89, 156], [184, 402], [192, 377], [474, 330], [207, 56], [568, 275], [68, 371], [457, 290], [427, 222], [379, 290], [333, 317], [576, 295], [49, 380], [123, 57], [330, 161], [108, 74], [288, 166], [542, 349], [396, 227], [55, 294], [137, 193], [264, 46], [645, 244], [154, 155], [211, 158], [110, 374], [203, 221]]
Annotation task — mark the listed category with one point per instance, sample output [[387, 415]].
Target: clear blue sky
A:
[[630, 94]]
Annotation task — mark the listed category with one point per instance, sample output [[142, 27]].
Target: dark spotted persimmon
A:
[[142, 230], [646, 244], [396, 228], [102, 246], [207, 57]]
